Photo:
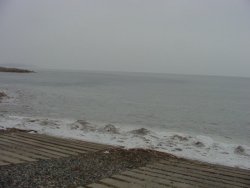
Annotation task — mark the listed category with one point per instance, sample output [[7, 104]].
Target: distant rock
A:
[[15, 70], [2, 95]]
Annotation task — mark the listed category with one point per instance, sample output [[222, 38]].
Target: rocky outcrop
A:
[[15, 70]]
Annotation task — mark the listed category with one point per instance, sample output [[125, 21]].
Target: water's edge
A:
[[198, 147], [196, 117]]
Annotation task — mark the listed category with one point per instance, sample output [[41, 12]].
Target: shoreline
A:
[[102, 165], [178, 144], [75, 171]]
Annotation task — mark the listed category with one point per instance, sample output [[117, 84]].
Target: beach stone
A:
[[110, 129], [199, 144], [239, 150], [141, 131], [2, 95]]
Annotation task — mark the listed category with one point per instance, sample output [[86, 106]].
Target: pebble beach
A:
[[76, 170]]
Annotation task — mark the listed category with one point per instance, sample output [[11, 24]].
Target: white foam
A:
[[198, 147]]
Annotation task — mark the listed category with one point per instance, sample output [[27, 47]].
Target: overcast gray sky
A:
[[177, 36]]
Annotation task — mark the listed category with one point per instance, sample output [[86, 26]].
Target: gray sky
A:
[[177, 36]]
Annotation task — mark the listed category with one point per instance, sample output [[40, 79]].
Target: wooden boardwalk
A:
[[179, 173], [168, 172], [25, 147]]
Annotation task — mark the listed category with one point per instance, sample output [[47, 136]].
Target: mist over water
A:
[[218, 107]]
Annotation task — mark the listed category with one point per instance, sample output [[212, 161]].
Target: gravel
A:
[[75, 170]]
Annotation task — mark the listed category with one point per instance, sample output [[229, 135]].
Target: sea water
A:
[[201, 117]]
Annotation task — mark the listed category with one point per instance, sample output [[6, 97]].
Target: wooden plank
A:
[[117, 183], [207, 169], [69, 145], [21, 151], [39, 143], [162, 180], [97, 185], [201, 174], [138, 182], [2, 163], [165, 178], [192, 177], [65, 143], [49, 143], [29, 148], [129, 179], [209, 166], [52, 149], [79, 143], [10, 159], [17, 156], [184, 178]]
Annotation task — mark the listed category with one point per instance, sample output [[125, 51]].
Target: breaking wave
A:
[[198, 147]]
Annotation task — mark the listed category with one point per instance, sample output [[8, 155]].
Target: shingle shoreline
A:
[[74, 171]]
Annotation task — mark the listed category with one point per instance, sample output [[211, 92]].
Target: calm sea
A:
[[206, 105]]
